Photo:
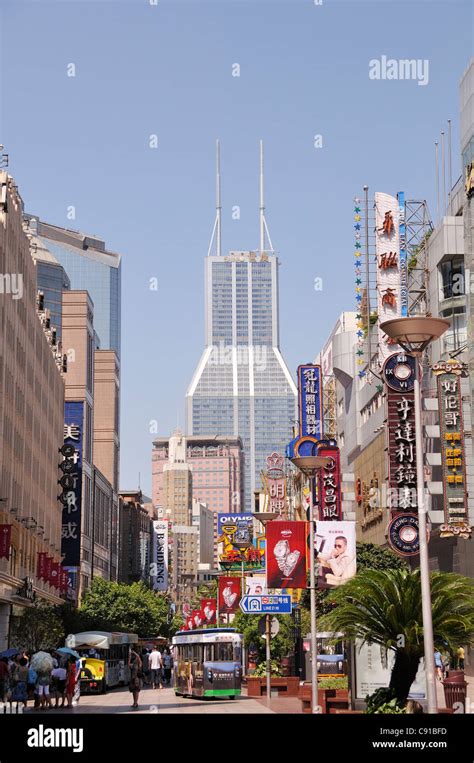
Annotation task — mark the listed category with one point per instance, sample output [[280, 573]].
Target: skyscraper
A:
[[242, 386]]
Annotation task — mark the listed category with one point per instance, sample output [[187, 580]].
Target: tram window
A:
[[237, 653], [209, 653], [224, 652]]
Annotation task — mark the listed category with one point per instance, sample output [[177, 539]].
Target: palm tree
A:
[[384, 607]]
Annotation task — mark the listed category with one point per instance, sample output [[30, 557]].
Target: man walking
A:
[[155, 664]]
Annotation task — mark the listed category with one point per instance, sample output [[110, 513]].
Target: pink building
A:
[[217, 465]]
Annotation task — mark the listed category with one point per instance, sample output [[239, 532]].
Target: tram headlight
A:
[[210, 675]]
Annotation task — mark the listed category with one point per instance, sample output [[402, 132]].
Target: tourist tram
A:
[[106, 658], [208, 663]]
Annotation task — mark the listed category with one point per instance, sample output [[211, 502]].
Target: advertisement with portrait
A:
[[256, 585], [286, 551], [335, 553]]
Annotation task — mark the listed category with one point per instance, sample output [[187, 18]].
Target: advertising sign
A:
[[453, 457], [329, 485], [276, 483], [388, 280], [335, 552], [208, 610], [71, 483], [404, 534], [373, 668], [235, 542], [401, 451], [286, 554], [279, 604], [256, 585], [5, 541], [197, 618], [160, 556], [402, 241], [310, 401], [41, 566], [229, 595]]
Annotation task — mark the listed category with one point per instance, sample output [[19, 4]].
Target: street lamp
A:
[[414, 335], [310, 466]]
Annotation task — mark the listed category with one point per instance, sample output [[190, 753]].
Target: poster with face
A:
[[335, 552], [208, 610], [229, 594], [286, 554], [256, 585]]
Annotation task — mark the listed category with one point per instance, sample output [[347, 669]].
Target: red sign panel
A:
[[41, 566], [329, 485], [5, 541], [54, 577], [229, 594], [48, 560], [208, 610], [286, 554]]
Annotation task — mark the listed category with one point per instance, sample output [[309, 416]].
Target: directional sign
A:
[[277, 604]]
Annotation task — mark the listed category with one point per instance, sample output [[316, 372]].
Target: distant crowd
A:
[[39, 680]]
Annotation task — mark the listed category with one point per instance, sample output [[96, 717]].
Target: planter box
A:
[[331, 700], [287, 686]]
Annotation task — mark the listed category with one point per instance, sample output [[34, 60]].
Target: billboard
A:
[[329, 485], [335, 553], [229, 594], [235, 542], [71, 483], [387, 250], [286, 554], [310, 401], [373, 668], [208, 611], [256, 585], [160, 556]]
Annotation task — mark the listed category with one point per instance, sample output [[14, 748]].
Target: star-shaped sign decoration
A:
[[357, 226], [359, 333]]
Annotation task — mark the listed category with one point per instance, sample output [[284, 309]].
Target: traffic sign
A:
[[278, 604]]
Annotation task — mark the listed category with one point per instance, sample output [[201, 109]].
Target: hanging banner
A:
[[159, 569], [453, 457], [235, 542], [41, 566], [5, 541], [71, 483], [329, 485], [189, 623], [286, 554], [48, 560], [208, 609], [197, 618], [388, 279], [229, 594], [275, 483], [54, 574], [64, 580], [310, 401], [335, 553], [256, 585]]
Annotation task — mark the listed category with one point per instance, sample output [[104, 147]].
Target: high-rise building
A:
[[136, 537], [89, 266], [178, 483], [31, 427], [242, 386]]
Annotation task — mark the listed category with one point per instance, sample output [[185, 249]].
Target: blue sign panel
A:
[[266, 605], [71, 483], [310, 401]]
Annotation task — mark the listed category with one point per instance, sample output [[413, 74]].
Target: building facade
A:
[[135, 539], [31, 425], [241, 386]]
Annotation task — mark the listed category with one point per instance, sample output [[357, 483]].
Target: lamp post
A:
[[414, 335], [310, 466]]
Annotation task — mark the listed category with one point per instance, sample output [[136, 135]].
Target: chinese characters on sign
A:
[[452, 449], [402, 237], [310, 400], [71, 483], [329, 488], [401, 451], [5, 541], [388, 255], [276, 484], [236, 549]]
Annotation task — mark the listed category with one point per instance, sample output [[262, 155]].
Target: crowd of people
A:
[[444, 662], [23, 680], [151, 668]]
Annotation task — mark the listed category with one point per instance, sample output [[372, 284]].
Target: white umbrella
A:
[[42, 662]]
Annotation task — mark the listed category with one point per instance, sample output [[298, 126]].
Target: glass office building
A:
[[92, 268], [242, 386]]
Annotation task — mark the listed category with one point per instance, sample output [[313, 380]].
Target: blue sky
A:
[[167, 70]]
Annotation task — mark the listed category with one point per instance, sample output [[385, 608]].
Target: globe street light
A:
[[310, 466], [414, 335]]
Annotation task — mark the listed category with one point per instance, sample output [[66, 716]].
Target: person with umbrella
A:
[[42, 663]]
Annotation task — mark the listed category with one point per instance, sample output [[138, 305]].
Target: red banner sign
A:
[[229, 594], [64, 580], [5, 541], [189, 624], [286, 554], [329, 487], [41, 566], [54, 578], [208, 610]]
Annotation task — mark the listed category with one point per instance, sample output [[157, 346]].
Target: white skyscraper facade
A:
[[242, 386]]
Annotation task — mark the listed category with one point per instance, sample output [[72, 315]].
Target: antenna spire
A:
[[216, 231], [263, 222]]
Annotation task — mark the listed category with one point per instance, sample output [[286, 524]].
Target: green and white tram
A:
[[208, 663]]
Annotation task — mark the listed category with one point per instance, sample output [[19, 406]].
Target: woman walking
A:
[[136, 675], [70, 680]]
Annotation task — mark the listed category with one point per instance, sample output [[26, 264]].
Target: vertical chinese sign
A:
[[329, 484], [310, 401], [5, 541], [71, 484], [453, 459], [276, 484], [387, 249]]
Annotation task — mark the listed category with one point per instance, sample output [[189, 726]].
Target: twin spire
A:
[[216, 237]]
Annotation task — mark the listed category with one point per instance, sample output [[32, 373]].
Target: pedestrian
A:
[[58, 685], [167, 666], [438, 664], [70, 680], [32, 687], [460, 657], [136, 675], [19, 683], [80, 664], [4, 679], [155, 664], [146, 666]]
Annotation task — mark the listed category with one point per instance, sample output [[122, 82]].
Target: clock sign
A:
[[399, 372]]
